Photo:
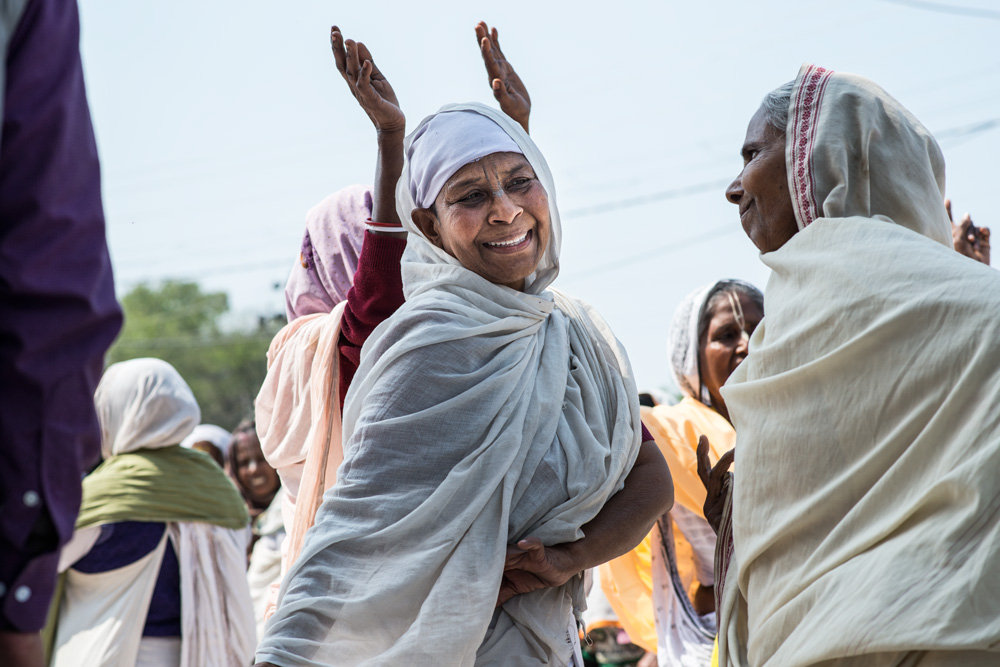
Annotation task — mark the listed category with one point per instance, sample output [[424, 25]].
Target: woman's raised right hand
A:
[[369, 87]]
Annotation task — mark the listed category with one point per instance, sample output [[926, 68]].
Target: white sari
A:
[[479, 415], [866, 510]]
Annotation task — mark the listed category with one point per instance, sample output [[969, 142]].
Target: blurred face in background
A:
[[211, 450], [253, 472]]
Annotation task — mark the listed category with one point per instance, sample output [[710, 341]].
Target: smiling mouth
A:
[[511, 245]]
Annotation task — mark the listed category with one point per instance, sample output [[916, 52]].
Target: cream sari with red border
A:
[[866, 510]]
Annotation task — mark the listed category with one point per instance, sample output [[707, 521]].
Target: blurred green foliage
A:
[[177, 322]]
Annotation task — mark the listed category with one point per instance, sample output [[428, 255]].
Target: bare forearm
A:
[[387, 170], [629, 515]]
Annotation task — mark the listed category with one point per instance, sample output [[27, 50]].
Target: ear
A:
[[427, 222]]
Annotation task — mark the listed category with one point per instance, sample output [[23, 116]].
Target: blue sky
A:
[[220, 123]]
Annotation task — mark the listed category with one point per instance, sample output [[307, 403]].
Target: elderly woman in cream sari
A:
[[866, 508], [488, 431]]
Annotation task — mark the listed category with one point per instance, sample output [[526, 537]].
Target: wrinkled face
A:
[[254, 473], [724, 346], [492, 216], [761, 189]]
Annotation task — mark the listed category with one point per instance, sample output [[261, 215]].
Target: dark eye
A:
[[519, 183], [471, 198]]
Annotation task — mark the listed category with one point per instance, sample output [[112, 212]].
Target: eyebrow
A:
[[475, 180], [753, 145]]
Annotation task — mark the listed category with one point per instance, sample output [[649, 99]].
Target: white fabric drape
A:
[[217, 623], [102, 615], [143, 404], [866, 509], [683, 637], [478, 415]]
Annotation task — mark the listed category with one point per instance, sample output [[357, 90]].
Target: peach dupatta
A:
[[299, 420]]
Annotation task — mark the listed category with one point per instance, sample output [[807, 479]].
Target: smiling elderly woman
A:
[[866, 509], [488, 431]]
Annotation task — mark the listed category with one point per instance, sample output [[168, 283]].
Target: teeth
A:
[[503, 244]]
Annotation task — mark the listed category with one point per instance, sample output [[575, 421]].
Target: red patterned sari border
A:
[[805, 121]]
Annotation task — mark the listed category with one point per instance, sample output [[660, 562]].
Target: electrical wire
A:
[[943, 8]]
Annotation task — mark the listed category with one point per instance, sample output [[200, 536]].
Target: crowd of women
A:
[[450, 464]]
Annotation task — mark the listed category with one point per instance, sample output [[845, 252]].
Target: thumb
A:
[[500, 91]]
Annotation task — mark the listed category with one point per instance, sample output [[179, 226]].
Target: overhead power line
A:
[[944, 8], [640, 200]]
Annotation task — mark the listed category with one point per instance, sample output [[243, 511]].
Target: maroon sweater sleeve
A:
[[376, 294]]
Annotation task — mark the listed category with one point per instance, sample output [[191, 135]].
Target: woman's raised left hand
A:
[[531, 566]]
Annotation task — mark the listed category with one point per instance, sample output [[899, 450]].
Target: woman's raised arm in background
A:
[[373, 92]]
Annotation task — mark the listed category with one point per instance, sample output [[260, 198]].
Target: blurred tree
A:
[[177, 322]]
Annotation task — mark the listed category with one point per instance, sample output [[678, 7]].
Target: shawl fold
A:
[[170, 484]]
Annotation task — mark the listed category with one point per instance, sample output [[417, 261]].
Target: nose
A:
[[504, 210], [734, 193], [252, 466], [743, 346]]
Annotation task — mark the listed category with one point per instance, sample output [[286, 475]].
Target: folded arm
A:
[[625, 519]]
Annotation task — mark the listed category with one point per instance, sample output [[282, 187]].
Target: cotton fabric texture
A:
[[324, 273], [866, 509], [299, 420], [479, 415], [142, 405]]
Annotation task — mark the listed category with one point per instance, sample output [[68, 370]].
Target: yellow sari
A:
[[628, 579]]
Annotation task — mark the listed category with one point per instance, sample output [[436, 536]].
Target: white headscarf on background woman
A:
[[480, 414], [216, 435], [866, 511], [143, 404], [683, 343]]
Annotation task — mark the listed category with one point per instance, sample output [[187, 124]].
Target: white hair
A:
[[776, 105]]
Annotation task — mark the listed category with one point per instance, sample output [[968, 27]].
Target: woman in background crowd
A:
[[866, 513], [663, 590], [211, 439], [155, 572], [263, 494]]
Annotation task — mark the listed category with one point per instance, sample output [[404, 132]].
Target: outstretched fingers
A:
[[337, 46]]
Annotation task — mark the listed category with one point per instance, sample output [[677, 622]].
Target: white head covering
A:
[[216, 435], [682, 341], [143, 404], [446, 142], [425, 166], [852, 167]]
